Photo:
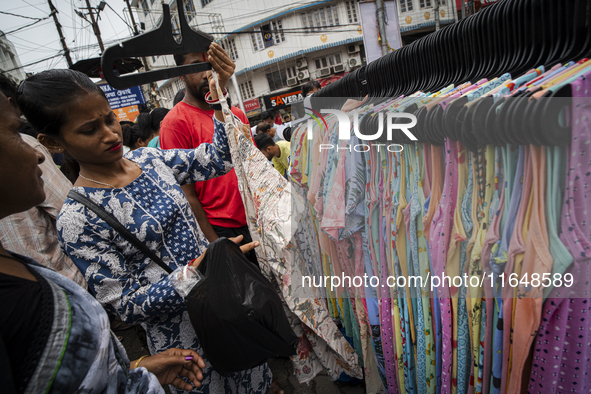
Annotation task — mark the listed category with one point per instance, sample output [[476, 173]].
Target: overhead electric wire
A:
[[20, 16], [30, 24], [33, 63]]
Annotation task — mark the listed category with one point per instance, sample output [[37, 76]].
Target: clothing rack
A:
[[494, 185], [510, 36]]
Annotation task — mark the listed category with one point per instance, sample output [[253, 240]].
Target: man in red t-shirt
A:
[[216, 203]]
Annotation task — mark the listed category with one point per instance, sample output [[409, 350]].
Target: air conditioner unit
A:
[[353, 48], [301, 63], [339, 68], [303, 74], [354, 62], [292, 81], [324, 72]]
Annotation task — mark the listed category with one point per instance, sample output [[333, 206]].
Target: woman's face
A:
[[21, 186], [91, 133]]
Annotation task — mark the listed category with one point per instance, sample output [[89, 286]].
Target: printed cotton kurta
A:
[[154, 208]]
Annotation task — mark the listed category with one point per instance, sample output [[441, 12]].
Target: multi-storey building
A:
[[279, 45], [10, 64]]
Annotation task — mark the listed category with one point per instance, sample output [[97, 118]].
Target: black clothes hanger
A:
[[154, 43], [510, 36], [555, 112], [481, 109]]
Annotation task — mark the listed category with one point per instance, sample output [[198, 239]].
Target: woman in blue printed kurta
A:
[[142, 191], [154, 208]]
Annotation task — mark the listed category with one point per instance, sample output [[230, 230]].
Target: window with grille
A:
[[291, 72], [328, 61], [267, 35], [257, 40], [351, 11], [231, 49], [205, 2], [321, 18], [278, 35], [278, 79], [190, 10], [405, 5], [179, 85], [246, 90], [425, 3]]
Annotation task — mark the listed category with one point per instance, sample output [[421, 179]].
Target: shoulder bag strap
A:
[[114, 223]]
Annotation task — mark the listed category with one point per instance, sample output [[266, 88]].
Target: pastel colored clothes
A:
[[562, 347]]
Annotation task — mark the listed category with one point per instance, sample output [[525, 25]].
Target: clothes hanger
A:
[[556, 116], [532, 39], [154, 43]]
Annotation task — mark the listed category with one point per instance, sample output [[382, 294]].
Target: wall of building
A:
[[10, 63]]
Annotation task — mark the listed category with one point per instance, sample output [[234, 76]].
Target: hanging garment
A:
[[561, 349], [272, 207]]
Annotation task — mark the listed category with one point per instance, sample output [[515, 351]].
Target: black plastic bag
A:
[[236, 313]]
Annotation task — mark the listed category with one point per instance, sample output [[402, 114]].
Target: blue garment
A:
[[154, 208], [154, 142]]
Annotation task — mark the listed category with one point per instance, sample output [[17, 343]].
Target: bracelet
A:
[[139, 361], [208, 99]]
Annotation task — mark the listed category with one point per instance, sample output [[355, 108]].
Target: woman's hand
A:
[[171, 364], [223, 66], [244, 248]]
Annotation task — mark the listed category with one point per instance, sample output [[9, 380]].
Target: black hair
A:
[[27, 129], [142, 129], [157, 115], [45, 97], [287, 133], [263, 127], [8, 87], [179, 58], [180, 95], [262, 141], [309, 86], [267, 115]]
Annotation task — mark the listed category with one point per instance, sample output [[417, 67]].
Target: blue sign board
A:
[[123, 98]]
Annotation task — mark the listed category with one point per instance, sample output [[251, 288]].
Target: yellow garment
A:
[[281, 163]]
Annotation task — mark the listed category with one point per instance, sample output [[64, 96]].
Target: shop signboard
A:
[[129, 113], [123, 98], [252, 107], [283, 99]]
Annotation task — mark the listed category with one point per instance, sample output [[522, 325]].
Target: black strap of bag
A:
[[114, 223]]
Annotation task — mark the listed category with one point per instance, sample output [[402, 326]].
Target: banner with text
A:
[[123, 98]]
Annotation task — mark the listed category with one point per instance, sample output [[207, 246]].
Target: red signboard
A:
[[331, 79], [251, 105]]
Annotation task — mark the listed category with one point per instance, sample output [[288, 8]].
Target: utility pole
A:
[[59, 31], [382, 25], [436, 10], [136, 31], [144, 61], [95, 27]]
